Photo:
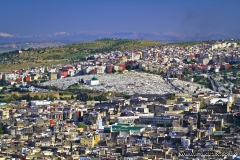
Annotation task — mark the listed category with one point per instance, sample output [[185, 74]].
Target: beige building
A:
[[90, 140], [52, 76], [4, 113]]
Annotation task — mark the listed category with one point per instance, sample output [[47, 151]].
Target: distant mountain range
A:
[[65, 37]]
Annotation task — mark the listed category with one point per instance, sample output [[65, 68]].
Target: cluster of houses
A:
[[146, 126], [142, 127], [175, 59]]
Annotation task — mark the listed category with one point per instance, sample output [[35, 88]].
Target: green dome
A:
[[94, 79]]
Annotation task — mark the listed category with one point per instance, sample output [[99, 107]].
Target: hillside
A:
[[66, 54], [8, 47], [192, 43]]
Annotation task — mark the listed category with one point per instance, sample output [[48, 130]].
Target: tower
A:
[[100, 126], [230, 99]]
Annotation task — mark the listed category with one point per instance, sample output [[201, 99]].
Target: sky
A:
[[189, 17]]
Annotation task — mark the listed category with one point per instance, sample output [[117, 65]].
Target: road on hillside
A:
[[176, 88], [212, 83]]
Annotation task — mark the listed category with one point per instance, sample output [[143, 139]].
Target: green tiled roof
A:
[[123, 127], [118, 128], [94, 79], [219, 132]]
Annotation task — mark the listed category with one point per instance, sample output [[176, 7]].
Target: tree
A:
[[82, 97], [100, 98], [82, 81], [90, 98], [36, 97], [14, 96], [3, 90], [120, 71], [118, 61], [167, 124], [160, 125], [171, 97], [186, 72], [28, 97], [127, 96], [234, 74], [114, 70], [3, 82], [201, 106], [147, 122], [137, 66], [161, 73], [129, 67], [1, 129], [81, 125], [136, 121], [71, 148], [42, 98], [16, 89]]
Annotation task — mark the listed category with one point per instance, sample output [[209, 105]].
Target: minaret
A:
[[132, 55], [100, 126], [230, 102], [230, 99]]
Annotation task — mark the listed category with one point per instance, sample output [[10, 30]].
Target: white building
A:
[[215, 100], [37, 103], [185, 142], [127, 119], [93, 81]]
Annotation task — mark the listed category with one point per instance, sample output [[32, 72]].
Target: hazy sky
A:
[[191, 17]]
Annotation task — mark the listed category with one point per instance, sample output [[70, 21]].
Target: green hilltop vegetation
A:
[[68, 53], [184, 44]]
